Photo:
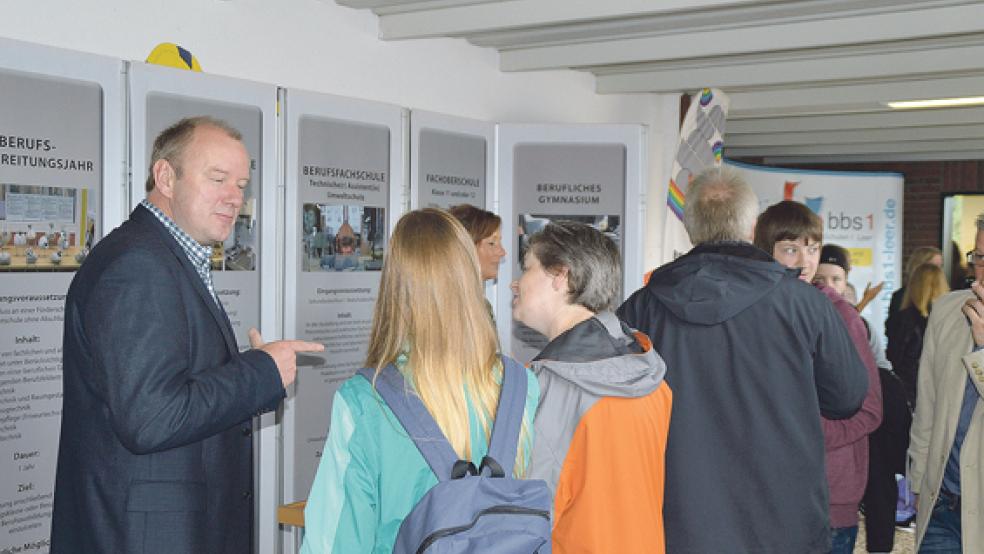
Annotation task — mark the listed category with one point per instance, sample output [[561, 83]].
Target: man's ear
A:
[[164, 178], [559, 281]]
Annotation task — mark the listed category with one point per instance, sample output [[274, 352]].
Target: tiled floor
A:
[[904, 541]]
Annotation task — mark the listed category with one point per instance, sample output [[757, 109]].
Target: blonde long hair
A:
[[432, 309], [926, 284], [920, 256]]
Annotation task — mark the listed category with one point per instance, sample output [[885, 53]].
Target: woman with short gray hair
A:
[[604, 415]]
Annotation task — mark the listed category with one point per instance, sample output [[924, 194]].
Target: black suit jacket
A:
[[155, 450]]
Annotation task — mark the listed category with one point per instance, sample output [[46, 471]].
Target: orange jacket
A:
[[601, 431]]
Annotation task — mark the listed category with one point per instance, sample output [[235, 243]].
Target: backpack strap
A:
[[418, 423], [508, 420]]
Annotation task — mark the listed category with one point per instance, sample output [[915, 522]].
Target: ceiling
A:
[[807, 79]]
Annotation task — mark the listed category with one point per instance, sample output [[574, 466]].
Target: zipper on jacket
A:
[[507, 510]]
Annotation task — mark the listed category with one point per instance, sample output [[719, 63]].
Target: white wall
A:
[[320, 46]]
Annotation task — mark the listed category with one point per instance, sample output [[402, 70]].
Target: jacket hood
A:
[[716, 281], [604, 357]]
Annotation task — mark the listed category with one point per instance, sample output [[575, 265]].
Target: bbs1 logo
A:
[[846, 222]]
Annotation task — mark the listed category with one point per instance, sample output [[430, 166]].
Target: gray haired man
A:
[[754, 356], [946, 444]]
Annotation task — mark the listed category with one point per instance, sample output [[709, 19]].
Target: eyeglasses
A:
[[973, 258]]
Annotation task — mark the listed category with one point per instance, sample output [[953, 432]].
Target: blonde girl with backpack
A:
[[430, 323]]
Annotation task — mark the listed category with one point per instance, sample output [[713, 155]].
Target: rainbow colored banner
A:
[[675, 200], [701, 147]]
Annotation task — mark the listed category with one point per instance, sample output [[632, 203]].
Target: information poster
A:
[[450, 161], [567, 182], [163, 102], [590, 174], [343, 164], [244, 266], [451, 164], [55, 144], [861, 211]]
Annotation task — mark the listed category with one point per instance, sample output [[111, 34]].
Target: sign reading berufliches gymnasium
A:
[[162, 101], [59, 148], [573, 182], [450, 160], [861, 211], [344, 160]]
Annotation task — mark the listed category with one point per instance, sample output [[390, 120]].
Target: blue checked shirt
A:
[[199, 255]]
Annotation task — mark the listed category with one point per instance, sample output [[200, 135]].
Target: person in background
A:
[[919, 256], [754, 356], [604, 415], [887, 443], [485, 229], [156, 449], [906, 327], [431, 323], [794, 234], [946, 444]]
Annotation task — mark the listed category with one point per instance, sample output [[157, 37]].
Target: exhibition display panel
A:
[[244, 266], [594, 174], [61, 189], [451, 161], [159, 97], [345, 171]]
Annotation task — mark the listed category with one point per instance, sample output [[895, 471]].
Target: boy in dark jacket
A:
[[793, 234]]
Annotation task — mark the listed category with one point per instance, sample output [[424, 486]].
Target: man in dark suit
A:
[[155, 452]]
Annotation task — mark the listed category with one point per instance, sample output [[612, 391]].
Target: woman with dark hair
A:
[[485, 229]]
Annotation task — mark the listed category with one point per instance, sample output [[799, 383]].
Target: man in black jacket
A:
[[754, 356], [155, 452]]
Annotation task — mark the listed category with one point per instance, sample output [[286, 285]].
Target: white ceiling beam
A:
[[850, 97], [942, 62], [692, 20], [803, 138], [874, 120], [863, 158], [378, 5], [864, 148], [749, 38], [409, 22]]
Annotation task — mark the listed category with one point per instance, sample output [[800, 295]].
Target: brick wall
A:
[[925, 183]]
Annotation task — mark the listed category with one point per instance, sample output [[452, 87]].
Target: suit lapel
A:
[[143, 216]]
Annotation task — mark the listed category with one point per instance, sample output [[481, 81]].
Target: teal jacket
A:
[[371, 475]]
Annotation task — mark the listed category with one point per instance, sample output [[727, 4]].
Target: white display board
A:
[[61, 188], [245, 265], [589, 173], [345, 188], [452, 162], [861, 211]]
